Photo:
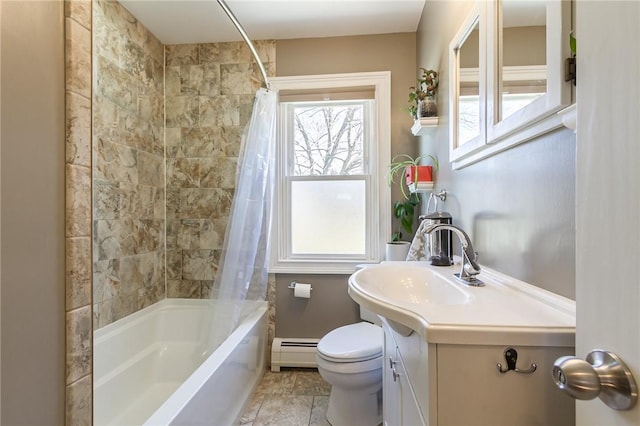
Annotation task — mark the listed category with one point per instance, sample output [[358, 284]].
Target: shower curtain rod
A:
[[247, 40]]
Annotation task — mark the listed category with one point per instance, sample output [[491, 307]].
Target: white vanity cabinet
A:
[[471, 391], [462, 355], [400, 404], [459, 384]]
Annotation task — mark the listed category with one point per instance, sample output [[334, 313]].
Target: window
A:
[[333, 148]]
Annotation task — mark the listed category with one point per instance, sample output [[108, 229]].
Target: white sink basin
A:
[[410, 283], [429, 300]]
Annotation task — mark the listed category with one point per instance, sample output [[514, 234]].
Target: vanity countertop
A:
[[416, 296]]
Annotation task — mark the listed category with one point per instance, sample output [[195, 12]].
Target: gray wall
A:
[[330, 305], [33, 333], [517, 206]]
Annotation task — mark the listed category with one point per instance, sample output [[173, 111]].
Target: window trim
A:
[[283, 262]]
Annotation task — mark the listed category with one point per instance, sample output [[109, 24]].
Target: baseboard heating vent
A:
[[293, 352]]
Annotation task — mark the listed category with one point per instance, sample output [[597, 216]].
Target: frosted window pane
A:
[[328, 139], [328, 217]]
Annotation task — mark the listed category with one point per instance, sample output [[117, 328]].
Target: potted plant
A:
[[404, 212], [411, 173], [422, 98]]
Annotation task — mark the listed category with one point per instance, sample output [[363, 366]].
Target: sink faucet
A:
[[470, 267]]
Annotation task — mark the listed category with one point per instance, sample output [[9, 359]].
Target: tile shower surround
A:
[[209, 95], [128, 166]]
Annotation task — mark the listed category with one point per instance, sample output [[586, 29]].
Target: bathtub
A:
[[151, 368]]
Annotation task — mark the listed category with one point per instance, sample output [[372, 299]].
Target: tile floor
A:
[[292, 397]]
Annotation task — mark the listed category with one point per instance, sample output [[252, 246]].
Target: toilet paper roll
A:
[[302, 291]]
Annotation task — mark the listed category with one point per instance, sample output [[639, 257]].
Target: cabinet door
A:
[[471, 391], [390, 386], [411, 415]]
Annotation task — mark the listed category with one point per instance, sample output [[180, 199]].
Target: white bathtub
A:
[[151, 368]]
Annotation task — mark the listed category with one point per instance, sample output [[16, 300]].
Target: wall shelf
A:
[[421, 187], [422, 125]]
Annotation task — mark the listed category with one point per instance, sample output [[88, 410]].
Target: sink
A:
[[428, 299], [402, 282]]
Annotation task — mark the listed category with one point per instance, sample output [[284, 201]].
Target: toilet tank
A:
[[366, 314]]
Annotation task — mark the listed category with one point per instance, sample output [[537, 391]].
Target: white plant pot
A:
[[397, 250]]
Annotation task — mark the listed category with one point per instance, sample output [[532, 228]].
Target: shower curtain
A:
[[243, 268]]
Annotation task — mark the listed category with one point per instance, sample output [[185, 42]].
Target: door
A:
[[608, 192]]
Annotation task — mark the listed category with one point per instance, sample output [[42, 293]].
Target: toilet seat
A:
[[347, 368], [352, 343]]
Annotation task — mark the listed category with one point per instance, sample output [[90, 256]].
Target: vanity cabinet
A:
[[459, 384], [400, 406]]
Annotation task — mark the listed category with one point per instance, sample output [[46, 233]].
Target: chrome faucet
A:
[[470, 267]]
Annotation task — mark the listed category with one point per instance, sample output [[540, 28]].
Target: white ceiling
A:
[[200, 21]]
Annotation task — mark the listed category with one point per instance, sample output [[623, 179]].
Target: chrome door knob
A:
[[603, 374]]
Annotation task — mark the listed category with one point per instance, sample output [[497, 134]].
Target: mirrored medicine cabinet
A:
[[506, 65]]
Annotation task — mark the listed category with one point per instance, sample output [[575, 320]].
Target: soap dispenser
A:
[[439, 243]]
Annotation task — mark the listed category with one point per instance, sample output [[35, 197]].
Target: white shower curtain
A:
[[243, 268]]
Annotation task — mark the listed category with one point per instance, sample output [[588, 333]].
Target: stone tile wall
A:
[[79, 343], [128, 165], [209, 97], [128, 200]]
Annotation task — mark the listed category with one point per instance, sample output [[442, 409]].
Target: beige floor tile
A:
[[251, 411], [280, 383], [284, 410], [319, 411], [309, 382]]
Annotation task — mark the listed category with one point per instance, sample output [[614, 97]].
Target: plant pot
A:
[[397, 250], [427, 107], [417, 174]]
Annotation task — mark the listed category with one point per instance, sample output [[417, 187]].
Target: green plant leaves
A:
[[572, 43], [405, 212]]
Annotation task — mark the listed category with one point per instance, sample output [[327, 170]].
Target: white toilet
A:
[[350, 359]]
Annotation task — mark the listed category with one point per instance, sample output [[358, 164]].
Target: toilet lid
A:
[[352, 343]]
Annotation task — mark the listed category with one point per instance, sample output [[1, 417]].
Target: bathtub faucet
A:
[[470, 267]]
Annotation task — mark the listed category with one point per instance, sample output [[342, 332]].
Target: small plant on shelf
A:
[[422, 98], [410, 171]]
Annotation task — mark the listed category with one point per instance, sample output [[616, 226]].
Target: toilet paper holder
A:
[[292, 285]]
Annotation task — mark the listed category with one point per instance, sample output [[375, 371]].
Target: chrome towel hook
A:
[[511, 356]]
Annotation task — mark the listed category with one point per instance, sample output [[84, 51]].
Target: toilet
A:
[[350, 359]]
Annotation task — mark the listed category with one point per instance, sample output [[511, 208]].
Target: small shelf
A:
[[422, 125], [421, 187]]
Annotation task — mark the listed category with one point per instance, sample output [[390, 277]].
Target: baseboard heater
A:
[[293, 352]]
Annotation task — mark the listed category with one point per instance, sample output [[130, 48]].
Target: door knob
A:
[[603, 374]]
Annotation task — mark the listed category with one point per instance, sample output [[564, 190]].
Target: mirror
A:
[[466, 70], [469, 86], [507, 84], [523, 61]]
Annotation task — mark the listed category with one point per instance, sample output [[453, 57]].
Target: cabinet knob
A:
[[603, 375]]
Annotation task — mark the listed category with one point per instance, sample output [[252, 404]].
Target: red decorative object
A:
[[414, 174]]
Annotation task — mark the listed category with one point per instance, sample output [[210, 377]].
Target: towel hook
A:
[[511, 356]]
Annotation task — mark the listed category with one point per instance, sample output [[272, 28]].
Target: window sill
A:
[[305, 267]]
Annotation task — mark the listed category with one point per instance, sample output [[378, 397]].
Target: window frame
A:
[[378, 192]]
